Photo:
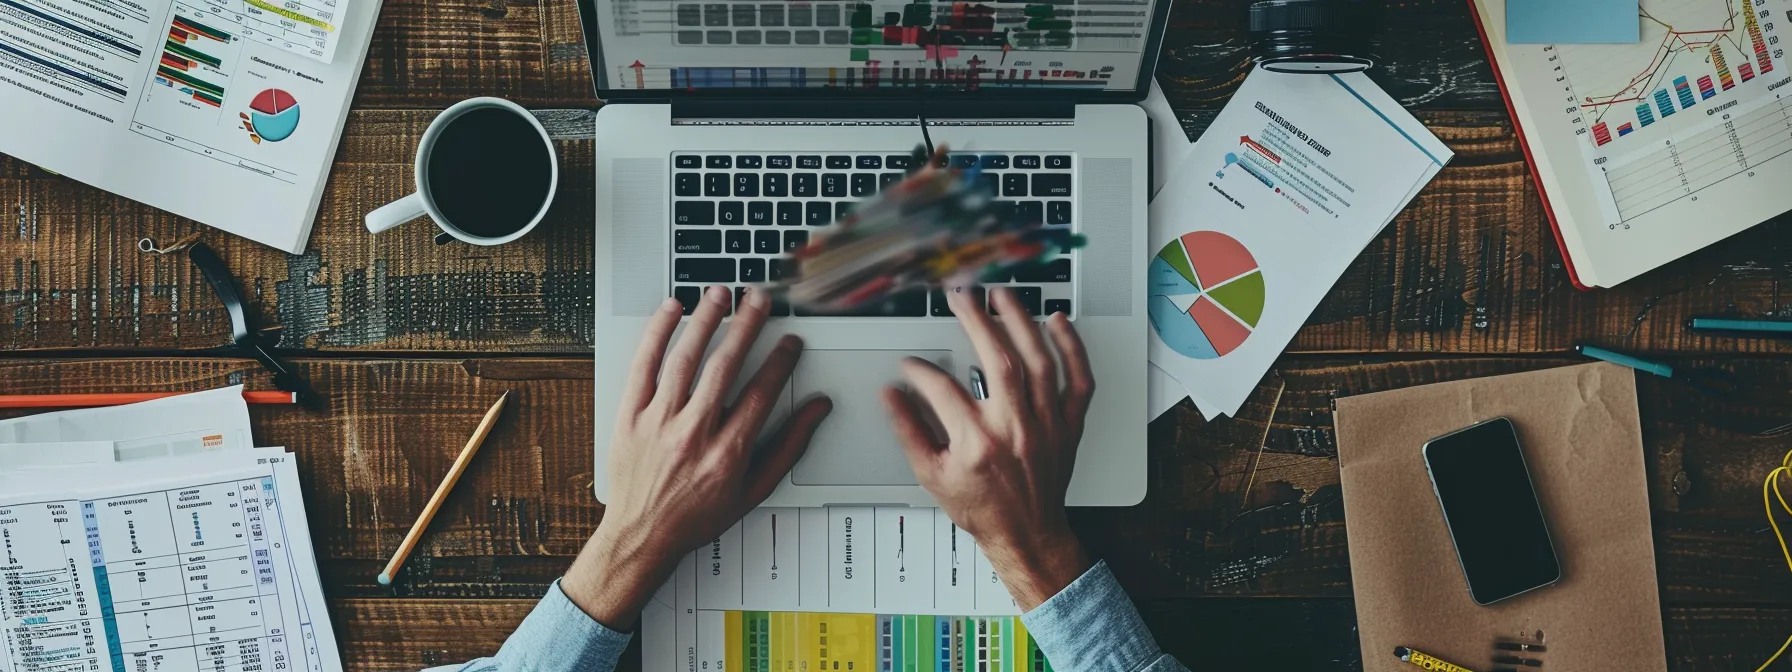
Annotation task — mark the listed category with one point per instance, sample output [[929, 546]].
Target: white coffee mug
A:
[[421, 203]]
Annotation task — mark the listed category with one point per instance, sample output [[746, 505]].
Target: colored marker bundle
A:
[[938, 228]]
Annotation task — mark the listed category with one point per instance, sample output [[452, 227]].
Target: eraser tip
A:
[[385, 580]]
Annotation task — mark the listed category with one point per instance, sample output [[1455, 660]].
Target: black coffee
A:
[[489, 172]]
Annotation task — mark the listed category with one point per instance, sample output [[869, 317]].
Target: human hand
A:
[[683, 465], [1006, 464]]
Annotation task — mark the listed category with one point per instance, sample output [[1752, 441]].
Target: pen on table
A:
[[121, 398], [1426, 660], [1764, 328], [1710, 381], [1622, 359], [448, 481]]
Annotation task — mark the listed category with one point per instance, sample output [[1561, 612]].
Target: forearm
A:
[[556, 636], [587, 617], [1092, 625]]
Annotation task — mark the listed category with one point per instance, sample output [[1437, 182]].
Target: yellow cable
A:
[[1772, 486]]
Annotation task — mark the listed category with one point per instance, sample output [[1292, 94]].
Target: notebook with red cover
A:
[[1645, 152]]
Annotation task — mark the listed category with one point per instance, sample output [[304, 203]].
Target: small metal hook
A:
[[149, 244]]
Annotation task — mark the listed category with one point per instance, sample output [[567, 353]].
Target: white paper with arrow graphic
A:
[[1293, 178]]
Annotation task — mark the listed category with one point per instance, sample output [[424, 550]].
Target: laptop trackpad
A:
[[854, 445]]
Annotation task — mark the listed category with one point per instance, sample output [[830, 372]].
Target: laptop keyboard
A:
[[735, 216]]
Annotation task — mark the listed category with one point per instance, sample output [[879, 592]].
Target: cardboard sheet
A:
[[1579, 429]]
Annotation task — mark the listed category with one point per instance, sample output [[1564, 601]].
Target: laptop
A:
[[736, 130]]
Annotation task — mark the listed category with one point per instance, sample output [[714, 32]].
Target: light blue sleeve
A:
[[1092, 625], [556, 636]]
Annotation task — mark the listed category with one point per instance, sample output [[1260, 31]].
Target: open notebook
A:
[[1646, 152]]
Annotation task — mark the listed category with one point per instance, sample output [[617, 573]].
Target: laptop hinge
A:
[[884, 108]]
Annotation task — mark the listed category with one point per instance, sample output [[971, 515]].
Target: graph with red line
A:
[[1692, 52], [1701, 99]]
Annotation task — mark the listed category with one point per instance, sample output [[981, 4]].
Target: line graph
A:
[[1701, 99], [1684, 41]]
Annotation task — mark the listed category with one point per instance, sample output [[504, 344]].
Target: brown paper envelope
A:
[[1581, 438]]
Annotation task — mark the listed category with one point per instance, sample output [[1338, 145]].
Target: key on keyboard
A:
[[763, 190]]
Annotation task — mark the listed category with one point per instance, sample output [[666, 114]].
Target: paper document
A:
[[179, 564], [223, 111], [183, 425], [831, 584], [23, 456], [1647, 151], [1287, 185]]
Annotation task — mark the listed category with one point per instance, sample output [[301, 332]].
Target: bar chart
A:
[[1700, 100], [1683, 59]]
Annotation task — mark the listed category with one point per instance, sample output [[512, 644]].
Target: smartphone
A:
[[1492, 510]]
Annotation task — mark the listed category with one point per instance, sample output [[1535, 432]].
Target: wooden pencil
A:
[[435, 500], [121, 398]]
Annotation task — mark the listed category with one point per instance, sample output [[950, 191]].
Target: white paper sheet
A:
[[1292, 179], [199, 562], [23, 456], [223, 111], [184, 425], [873, 562], [1169, 143]]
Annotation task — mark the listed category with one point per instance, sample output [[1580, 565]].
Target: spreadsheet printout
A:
[[208, 572]]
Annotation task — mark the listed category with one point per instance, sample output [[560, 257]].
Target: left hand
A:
[[683, 464]]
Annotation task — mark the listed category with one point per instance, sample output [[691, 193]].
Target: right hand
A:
[[1004, 469]]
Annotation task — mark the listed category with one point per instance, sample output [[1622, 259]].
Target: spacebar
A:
[[906, 304]]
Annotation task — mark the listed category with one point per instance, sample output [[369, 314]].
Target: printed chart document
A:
[[1647, 151], [847, 588], [223, 111], [1287, 185], [196, 563]]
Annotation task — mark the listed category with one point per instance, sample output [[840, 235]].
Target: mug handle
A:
[[395, 213]]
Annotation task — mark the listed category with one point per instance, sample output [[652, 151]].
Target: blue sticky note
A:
[[1572, 21]]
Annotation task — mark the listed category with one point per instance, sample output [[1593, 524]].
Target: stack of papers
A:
[[155, 536], [1270, 206], [838, 588]]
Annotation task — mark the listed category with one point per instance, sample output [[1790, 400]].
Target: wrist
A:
[[613, 578], [1039, 568]]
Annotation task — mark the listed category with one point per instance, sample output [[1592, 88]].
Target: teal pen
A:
[[1764, 327], [1622, 359]]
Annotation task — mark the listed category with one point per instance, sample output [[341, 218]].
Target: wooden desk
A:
[[413, 341]]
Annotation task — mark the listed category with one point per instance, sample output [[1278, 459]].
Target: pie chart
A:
[[1205, 294], [274, 114]]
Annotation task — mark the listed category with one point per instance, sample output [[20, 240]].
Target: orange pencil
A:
[[121, 398]]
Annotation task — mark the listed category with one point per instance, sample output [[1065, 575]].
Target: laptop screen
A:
[[1092, 45]]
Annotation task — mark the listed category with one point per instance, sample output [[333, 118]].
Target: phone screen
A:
[[1492, 510]]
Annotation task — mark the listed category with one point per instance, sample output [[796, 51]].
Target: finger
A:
[[993, 349], [912, 432], [687, 355], [1079, 377], [724, 364], [787, 446], [948, 400], [644, 373], [761, 393], [1041, 369]]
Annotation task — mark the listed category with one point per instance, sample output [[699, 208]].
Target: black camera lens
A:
[[1315, 36]]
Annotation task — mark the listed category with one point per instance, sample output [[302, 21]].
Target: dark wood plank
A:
[[1222, 517], [1211, 633], [1470, 267]]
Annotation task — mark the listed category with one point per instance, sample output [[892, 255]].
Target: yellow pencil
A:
[[1426, 660], [435, 500]]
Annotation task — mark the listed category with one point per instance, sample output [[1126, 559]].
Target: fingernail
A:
[[791, 342], [717, 294], [670, 304], [756, 298]]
